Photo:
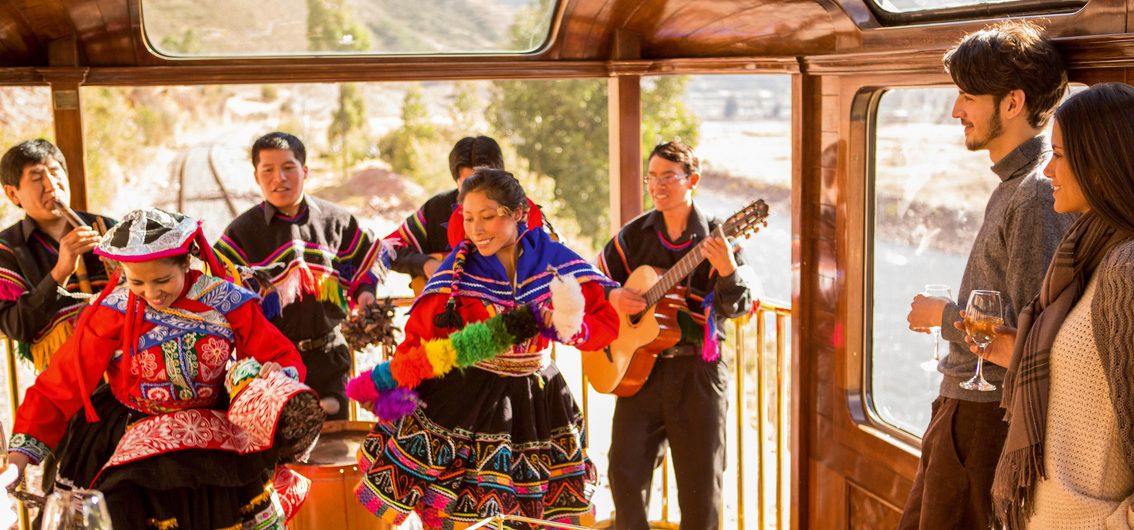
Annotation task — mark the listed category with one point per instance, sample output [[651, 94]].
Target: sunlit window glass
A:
[[349, 27]]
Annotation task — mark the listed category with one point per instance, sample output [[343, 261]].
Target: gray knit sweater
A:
[[1013, 248]]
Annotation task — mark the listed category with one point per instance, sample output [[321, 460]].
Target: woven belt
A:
[[306, 345]]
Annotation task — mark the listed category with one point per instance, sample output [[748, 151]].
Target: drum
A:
[[333, 470]]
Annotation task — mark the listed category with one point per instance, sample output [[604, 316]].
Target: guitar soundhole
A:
[[636, 318], [609, 356]]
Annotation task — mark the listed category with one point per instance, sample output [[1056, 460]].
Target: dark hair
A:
[[498, 185], [180, 259], [1098, 126], [474, 152], [679, 153], [1008, 56], [24, 154], [280, 141]]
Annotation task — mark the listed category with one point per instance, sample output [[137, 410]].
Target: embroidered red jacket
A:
[[179, 362]]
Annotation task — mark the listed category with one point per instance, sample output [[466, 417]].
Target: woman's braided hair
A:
[[500, 186]]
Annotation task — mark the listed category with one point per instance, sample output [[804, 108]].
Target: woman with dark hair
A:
[[178, 439], [1074, 352], [501, 434]]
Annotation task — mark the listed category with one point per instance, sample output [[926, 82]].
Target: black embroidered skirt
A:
[[482, 445], [185, 489]]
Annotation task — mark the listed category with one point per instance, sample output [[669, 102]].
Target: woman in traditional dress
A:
[[162, 441], [502, 436]]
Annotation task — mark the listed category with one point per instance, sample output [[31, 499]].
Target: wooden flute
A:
[[75, 221]]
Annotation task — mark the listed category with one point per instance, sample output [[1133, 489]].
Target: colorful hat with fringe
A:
[[152, 233]]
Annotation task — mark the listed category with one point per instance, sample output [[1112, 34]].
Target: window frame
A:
[[1011, 8], [557, 9]]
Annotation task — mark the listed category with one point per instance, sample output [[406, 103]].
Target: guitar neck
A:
[[675, 274]]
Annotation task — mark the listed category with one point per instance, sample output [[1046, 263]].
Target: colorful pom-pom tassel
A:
[[441, 355], [382, 376], [411, 367], [502, 341], [362, 390], [473, 344], [395, 404]]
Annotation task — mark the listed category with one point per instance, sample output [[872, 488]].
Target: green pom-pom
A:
[[501, 339], [473, 344]]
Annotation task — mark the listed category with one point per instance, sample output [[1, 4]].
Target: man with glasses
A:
[[683, 403], [40, 254]]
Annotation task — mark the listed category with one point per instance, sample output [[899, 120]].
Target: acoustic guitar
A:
[[622, 367]]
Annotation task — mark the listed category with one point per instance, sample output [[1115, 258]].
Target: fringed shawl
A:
[[1027, 382]]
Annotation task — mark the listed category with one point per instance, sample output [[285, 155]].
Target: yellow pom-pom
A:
[[441, 356]]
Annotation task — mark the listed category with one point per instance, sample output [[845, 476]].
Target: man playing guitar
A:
[[683, 403]]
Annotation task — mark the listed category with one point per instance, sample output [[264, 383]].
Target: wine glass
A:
[[983, 314], [74, 510], [935, 290]]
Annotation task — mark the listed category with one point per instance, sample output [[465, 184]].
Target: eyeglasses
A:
[[664, 180]]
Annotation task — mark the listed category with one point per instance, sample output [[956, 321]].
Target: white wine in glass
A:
[[942, 291], [982, 316]]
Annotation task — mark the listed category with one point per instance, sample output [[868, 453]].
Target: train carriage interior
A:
[[834, 111]]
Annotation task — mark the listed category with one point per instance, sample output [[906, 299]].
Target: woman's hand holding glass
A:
[[999, 351], [983, 315]]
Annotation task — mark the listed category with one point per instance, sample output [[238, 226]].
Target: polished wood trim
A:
[[805, 121], [713, 65], [624, 108], [66, 105], [1095, 51], [21, 76], [924, 61]]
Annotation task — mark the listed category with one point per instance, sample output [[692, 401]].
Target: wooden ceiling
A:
[[589, 38]]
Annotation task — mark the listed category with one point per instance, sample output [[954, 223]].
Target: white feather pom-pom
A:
[[569, 305]]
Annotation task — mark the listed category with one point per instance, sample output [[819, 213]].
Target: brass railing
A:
[[13, 404], [768, 357]]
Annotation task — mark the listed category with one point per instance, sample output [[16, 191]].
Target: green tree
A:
[[466, 108], [407, 148], [331, 27], [348, 126], [560, 128]]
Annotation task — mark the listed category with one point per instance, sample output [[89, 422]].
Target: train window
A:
[[379, 149], [896, 12], [27, 115], [928, 197], [213, 28]]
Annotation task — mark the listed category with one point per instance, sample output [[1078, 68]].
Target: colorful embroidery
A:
[[431, 469], [29, 446]]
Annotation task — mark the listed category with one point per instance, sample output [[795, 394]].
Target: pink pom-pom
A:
[[362, 389], [395, 404]]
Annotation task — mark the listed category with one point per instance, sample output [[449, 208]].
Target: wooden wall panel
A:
[[866, 511]]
